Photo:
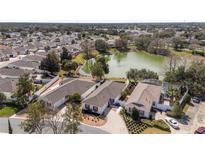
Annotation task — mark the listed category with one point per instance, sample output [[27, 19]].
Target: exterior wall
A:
[[59, 103], [100, 109], [162, 107], [144, 115]]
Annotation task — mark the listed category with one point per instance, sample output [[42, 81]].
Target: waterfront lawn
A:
[[7, 111]]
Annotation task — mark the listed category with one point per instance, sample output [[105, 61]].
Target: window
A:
[[87, 106], [95, 109]]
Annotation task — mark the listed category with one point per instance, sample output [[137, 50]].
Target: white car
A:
[[172, 122]]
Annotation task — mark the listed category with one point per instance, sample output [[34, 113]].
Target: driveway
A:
[[115, 124], [194, 118]]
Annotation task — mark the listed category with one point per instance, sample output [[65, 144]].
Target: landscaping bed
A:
[[133, 126], [93, 120], [145, 126]]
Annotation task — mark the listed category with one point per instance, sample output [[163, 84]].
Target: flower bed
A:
[[132, 126]]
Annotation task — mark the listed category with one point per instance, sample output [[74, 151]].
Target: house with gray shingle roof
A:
[[99, 100], [13, 73], [23, 64], [59, 96], [8, 86]]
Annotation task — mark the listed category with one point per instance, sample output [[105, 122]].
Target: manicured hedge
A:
[[157, 124]]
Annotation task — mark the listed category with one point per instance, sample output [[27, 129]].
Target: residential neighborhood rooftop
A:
[[109, 89], [74, 86], [143, 96]]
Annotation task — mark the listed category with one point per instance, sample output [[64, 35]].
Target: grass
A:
[[79, 58], [62, 73], [154, 130], [7, 111], [117, 79]]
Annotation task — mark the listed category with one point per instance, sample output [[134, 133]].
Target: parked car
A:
[[172, 122], [196, 100], [200, 130]]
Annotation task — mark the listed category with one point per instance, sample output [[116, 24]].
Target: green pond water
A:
[[120, 63]]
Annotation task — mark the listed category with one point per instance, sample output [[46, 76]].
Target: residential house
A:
[[60, 95], [23, 64], [33, 58], [105, 94], [8, 87], [13, 73], [143, 98]]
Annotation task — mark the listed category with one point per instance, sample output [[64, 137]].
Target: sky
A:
[[102, 11]]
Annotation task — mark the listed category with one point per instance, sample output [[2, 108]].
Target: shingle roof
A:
[[74, 86], [7, 85], [13, 72], [109, 89], [143, 96], [34, 58], [24, 63]]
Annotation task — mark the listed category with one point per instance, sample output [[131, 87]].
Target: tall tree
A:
[[72, 118], [87, 48], [51, 63], [143, 41], [36, 118], [69, 66], [65, 55], [101, 45], [97, 71], [2, 97], [24, 88], [121, 44], [55, 121], [103, 62], [177, 110]]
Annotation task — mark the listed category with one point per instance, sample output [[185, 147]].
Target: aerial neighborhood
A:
[[102, 78]]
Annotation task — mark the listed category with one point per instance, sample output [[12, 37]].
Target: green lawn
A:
[[79, 58], [62, 73], [154, 130], [7, 111]]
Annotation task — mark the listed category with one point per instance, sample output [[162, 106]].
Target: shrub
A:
[[161, 125]]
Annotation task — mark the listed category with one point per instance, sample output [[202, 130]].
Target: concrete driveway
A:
[[115, 124], [194, 118]]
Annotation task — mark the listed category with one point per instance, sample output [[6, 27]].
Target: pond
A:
[[120, 63]]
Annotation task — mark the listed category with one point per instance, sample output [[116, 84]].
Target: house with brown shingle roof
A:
[[143, 98]]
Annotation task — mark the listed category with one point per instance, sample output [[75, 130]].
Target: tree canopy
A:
[[136, 75], [101, 45], [51, 63]]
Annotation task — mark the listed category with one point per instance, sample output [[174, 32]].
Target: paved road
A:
[[17, 130]]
